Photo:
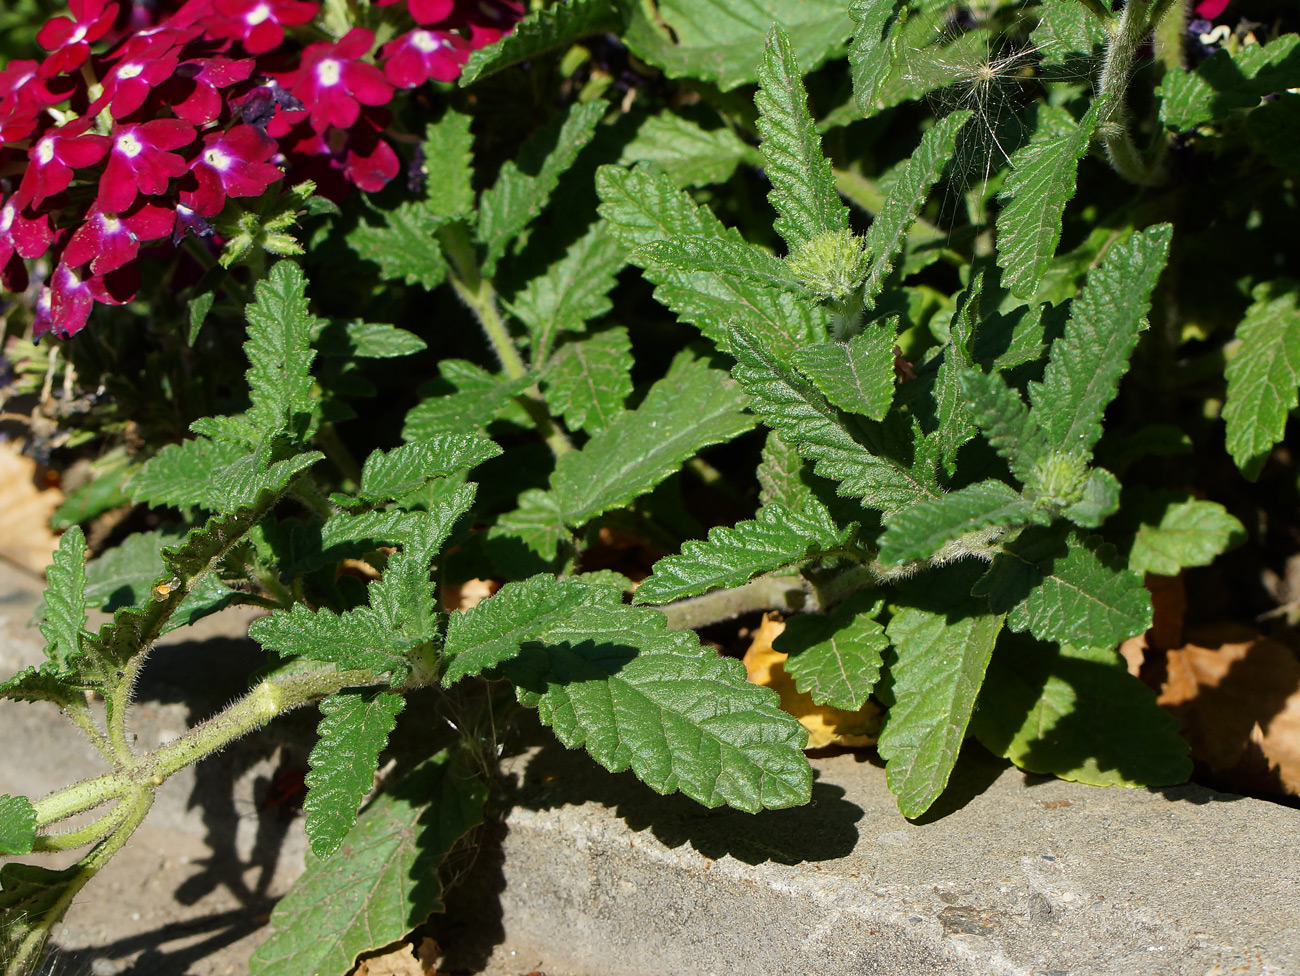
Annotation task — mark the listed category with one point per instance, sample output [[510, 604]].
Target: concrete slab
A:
[[598, 876]]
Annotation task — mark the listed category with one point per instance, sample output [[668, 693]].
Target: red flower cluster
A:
[[100, 153]]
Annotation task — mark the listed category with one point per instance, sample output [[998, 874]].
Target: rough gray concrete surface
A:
[[594, 875]]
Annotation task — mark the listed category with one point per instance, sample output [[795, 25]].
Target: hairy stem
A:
[[480, 297], [788, 594], [1112, 87]]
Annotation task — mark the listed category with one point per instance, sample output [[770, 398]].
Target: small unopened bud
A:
[[1059, 478], [831, 264]]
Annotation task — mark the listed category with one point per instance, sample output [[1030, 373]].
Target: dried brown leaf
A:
[[25, 510]]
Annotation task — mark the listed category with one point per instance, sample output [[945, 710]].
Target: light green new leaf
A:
[[1224, 82], [1264, 375], [1100, 500], [64, 606], [544, 30], [588, 380], [858, 375], [355, 639], [835, 657], [845, 449], [384, 881], [1064, 586], [876, 48], [716, 40], [803, 183], [573, 291], [280, 328], [391, 474], [941, 652], [477, 400], [1086, 364], [1190, 532], [691, 408], [774, 538], [17, 825], [686, 153], [906, 197], [643, 206], [449, 167], [353, 729], [925, 528], [523, 188], [1076, 713], [405, 245], [1006, 421], [1033, 198]]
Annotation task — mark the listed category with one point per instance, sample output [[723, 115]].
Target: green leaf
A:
[[391, 474], [614, 679], [1064, 586], [728, 260], [1224, 82], [384, 882], [184, 474], [1076, 713], [686, 153], [1006, 421], [279, 348], [403, 528], [17, 825], [588, 380], [449, 166], [241, 484], [691, 408], [105, 490], [1033, 198], [774, 538], [64, 606], [1264, 375], [858, 375], [927, 527], [573, 291], [803, 184], [910, 190], [835, 657], [353, 729], [876, 48], [1086, 364], [523, 188], [199, 307], [942, 648], [1100, 500], [843, 448], [1190, 532], [492, 632], [1067, 32], [125, 575], [952, 412], [365, 340], [33, 900], [542, 31], [355, 639], [45, 683], [537, 525], [715, 40], [643, 206], [476, 399], [783, 478], [405, 245]]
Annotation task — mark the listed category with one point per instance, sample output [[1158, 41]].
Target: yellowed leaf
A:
[[463, 596], [826, 726], [402, 961], [25, 510], [1237, 694]]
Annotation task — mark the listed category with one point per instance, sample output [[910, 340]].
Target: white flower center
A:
[[45, 151], [78, 35], [328, 71], [110, 223], [129, 146], [217, 159], [129, 71], [258, 14], [426, 42], [6, 218]]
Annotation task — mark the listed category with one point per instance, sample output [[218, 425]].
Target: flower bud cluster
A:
[[144, 118]]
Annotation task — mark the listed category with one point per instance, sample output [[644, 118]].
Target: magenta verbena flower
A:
[[108, 241], [140, 161], [194, 91], [259, 24], [333, 82], [72, 295], [230, 164], [21, 237], [54, 156], [419, 55], [68, 39]]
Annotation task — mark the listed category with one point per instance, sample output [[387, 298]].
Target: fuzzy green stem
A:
[[88, 834], [1113, 122], [79, 715], [788, 594], [479, 296], [273, 697]]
